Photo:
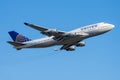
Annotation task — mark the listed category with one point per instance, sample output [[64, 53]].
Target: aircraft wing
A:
[[36, 27], [46, 31], [58, 35]]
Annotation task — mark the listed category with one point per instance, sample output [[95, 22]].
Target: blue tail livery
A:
[[18, 37]]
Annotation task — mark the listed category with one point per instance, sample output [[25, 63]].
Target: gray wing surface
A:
[[46, 31], [40, 28]]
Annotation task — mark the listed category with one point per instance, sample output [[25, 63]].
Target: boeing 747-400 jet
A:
[[67, 40]]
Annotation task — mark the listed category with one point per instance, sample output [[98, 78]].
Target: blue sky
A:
[[98, 60]]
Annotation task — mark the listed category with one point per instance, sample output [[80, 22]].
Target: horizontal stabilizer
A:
[[16, 44]]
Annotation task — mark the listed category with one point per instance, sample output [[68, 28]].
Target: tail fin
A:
[[18, 37]]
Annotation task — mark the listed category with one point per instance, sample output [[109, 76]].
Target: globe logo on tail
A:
[[21, 38]]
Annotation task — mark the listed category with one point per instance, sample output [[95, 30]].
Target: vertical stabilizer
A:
[[18, 37]]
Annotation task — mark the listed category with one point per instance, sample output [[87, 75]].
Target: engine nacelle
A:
[[71, 48], [69, 35], [80, 44], [50, 32]]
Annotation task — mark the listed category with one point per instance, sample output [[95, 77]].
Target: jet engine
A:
[[71, 48], [50, 32], [80, 44], [69, 35]]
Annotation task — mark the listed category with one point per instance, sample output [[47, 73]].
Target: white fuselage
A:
[[91, 30]]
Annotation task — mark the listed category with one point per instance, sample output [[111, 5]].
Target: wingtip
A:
[[8, 41], [26, 23]]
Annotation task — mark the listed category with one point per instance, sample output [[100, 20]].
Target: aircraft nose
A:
[[112, 26]]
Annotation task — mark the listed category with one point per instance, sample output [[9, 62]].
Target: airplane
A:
[[67, 40]]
